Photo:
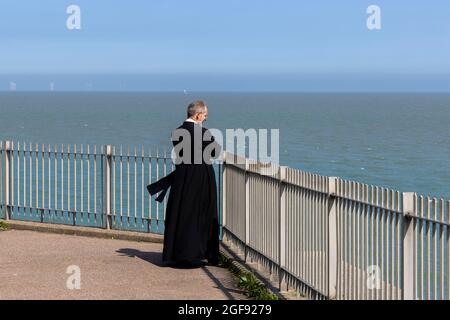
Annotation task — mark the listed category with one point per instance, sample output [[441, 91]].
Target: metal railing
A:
[[96, 186], [330, 238], [323, 237]]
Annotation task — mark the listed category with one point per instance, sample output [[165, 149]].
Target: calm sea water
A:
[[400, 141]]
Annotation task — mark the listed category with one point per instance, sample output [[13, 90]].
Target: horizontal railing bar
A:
[[90, 154], [80, 212], [52, 209], [57, 152], [375, 206], [276, 178], [140, 157], [445, 223]]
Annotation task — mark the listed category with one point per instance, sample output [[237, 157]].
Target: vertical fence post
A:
[[282, 232], [224, 192], [7, 180], [332, 238], [247, 208], [408, 245], [107, 186]]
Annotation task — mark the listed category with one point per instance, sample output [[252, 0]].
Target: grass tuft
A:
[[3, 226], [247, 281]]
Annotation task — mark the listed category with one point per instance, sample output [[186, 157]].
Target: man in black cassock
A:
[[191, 222]]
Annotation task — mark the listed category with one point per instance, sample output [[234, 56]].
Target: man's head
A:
[[197, 111]]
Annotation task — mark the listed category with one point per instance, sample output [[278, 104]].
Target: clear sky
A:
[[321, 39]]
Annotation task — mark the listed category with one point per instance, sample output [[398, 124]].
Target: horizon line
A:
[[226, 91]]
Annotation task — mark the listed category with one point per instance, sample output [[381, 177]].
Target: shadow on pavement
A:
[[155, 258]]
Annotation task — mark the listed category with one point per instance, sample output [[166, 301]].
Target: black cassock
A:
[[191, 222]]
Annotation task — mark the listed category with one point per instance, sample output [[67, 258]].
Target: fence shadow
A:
[[155, 258]]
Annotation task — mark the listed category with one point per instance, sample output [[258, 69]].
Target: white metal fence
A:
[[83, 185], [323, 237], [97, 186], [326, 237]]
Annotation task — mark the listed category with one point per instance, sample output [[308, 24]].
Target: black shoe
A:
[[183, 264], [213, 262]]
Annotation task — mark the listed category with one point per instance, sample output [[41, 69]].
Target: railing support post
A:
[[7, 181], [247, 209], [332, 238], [408, 245], [224, 192], [107, 186], [282, 232]]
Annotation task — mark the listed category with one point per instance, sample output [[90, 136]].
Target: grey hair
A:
[[196, 107]]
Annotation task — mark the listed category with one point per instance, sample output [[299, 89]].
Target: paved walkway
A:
[[33, 265]]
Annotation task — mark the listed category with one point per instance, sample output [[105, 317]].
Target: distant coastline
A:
[[200, 82]]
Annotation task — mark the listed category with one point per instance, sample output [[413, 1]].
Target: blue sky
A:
[[320, 39]]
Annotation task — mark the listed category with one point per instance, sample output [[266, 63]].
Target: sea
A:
[[399, 141]]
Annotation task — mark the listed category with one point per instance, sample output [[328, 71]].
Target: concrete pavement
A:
[[34, 265]]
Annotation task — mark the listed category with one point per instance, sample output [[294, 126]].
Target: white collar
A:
[[191, 120]]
